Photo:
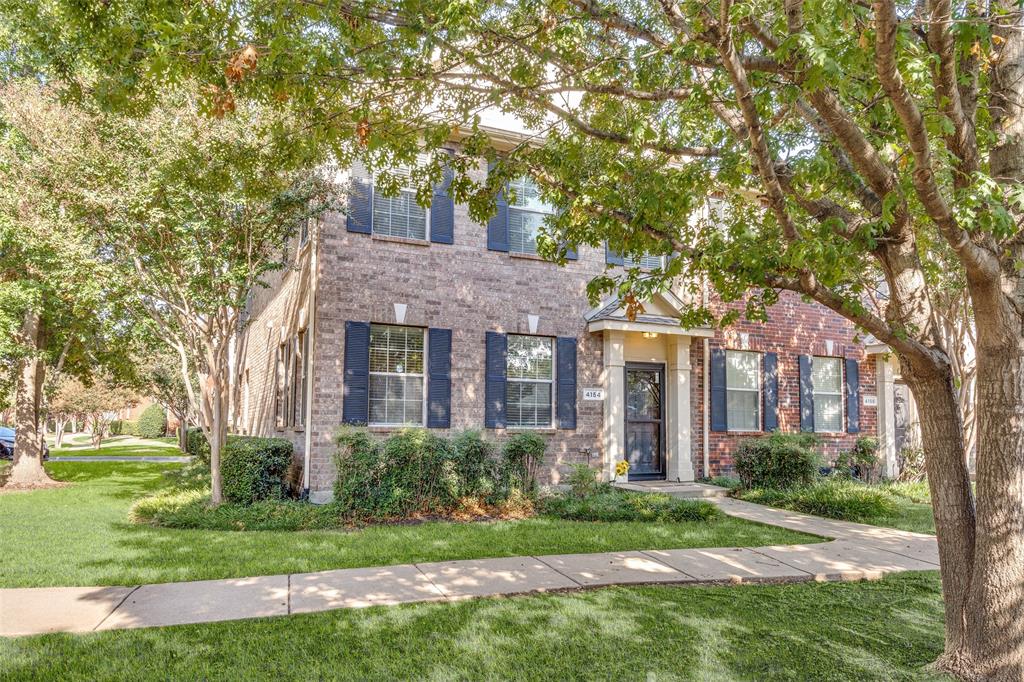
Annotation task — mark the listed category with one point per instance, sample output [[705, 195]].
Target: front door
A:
[[645, 412]]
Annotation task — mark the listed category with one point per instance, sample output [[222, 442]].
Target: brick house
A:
[[393, 315]]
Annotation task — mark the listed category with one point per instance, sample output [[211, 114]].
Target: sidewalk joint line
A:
[[435, 585], [647, 553], [289, 599], [119, 604], [561, 573], [795, 568]]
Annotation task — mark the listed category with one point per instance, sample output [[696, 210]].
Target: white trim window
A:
[[743, 390], [400, 215], [526, 215], [827, 380], [646, 262], [396, 375], [529, 382]]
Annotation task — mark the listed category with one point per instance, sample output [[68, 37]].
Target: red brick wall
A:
[[794, 328]]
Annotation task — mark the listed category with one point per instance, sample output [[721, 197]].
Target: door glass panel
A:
[[643, 394]]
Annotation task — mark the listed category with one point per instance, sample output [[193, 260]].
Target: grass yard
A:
[[885, 630], [121, 446], [81, 535]]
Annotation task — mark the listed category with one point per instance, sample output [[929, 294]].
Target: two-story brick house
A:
[[397, 315]]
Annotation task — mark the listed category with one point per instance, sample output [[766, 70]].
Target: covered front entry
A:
[[647, 389], [645, 420]]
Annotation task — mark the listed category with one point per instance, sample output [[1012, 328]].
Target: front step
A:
[[674, 488]]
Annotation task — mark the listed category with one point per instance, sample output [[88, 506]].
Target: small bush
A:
[[834, 499], [116, 427], [615, 505], [729, 482], [521, 460], [582, 480], [126, 427], [912, 467], [254, 469], [189, 508], [153, 422], [197, 445], [780, 461], [860, 462], [476, 465]]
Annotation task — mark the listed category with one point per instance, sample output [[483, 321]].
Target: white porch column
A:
[[613, 378], [679, 466], [886, 415]]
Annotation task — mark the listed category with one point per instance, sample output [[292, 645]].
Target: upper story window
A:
[[400, 215], [644, 262], [526, 215], [743, 390], [530, 374], [396, 375], [827, 380]]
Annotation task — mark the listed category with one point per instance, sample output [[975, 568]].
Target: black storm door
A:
[[645, 415]]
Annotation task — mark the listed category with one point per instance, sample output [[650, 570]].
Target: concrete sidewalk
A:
[[856, 552]]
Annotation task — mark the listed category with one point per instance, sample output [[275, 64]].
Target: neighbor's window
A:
[[827, 380], [400, 215], [526, 214], [281, 386], [396, 375], [743, 390], [530, 372], [644, 262]]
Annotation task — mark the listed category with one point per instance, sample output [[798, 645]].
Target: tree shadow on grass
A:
[[886, 630]]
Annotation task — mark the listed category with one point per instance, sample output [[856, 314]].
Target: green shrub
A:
[[860, 462], [729, 482], [153, 422], [834, 499], [780, 461], [116, 427], [476, 465], [521, 459], [255, 469], [917, 491], [197, 445], [128, 427], [912, 467], [412, 472], [616, 505], [582, 480]]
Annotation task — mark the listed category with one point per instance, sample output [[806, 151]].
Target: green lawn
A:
[[123, 446], [885, 630], [80, 535]]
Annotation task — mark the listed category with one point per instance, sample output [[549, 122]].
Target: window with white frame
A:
[[743, 390], [644, 262], [399, 215], [530, 371], [526, 215], [396, 375], [827, 380]]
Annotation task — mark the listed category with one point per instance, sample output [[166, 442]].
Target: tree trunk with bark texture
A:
[[27, 468], [949, 483], [182, 434]]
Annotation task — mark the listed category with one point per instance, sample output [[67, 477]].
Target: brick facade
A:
[[471, 290]]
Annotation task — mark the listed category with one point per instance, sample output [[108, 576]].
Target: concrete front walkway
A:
[[856, 552]]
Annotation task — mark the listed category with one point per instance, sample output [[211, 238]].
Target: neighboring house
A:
[[394, 315]]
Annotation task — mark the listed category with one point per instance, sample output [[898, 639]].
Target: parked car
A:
[[7, 444]]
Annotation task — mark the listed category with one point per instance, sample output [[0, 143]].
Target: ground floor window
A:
[[396, 375], [530, 373], [827, 380], [743, 390]]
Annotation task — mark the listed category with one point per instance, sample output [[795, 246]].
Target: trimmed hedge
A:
[[780, 461], [615, 505], [153, 422], [255, 469], [197, 445], [416, 472]]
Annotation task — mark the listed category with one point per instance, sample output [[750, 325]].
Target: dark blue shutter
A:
[[771, 391], [852, 396], [806, 395], [439, 378], [494, 380], [571, 253], [566, 406], [355, 403], [360, 206], [497, 227], [442, 211], [612, 258], [718, 395]]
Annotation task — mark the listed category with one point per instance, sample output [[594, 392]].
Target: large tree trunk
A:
[[949, 482], [182, 433], [27, 469], [60, 424]]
